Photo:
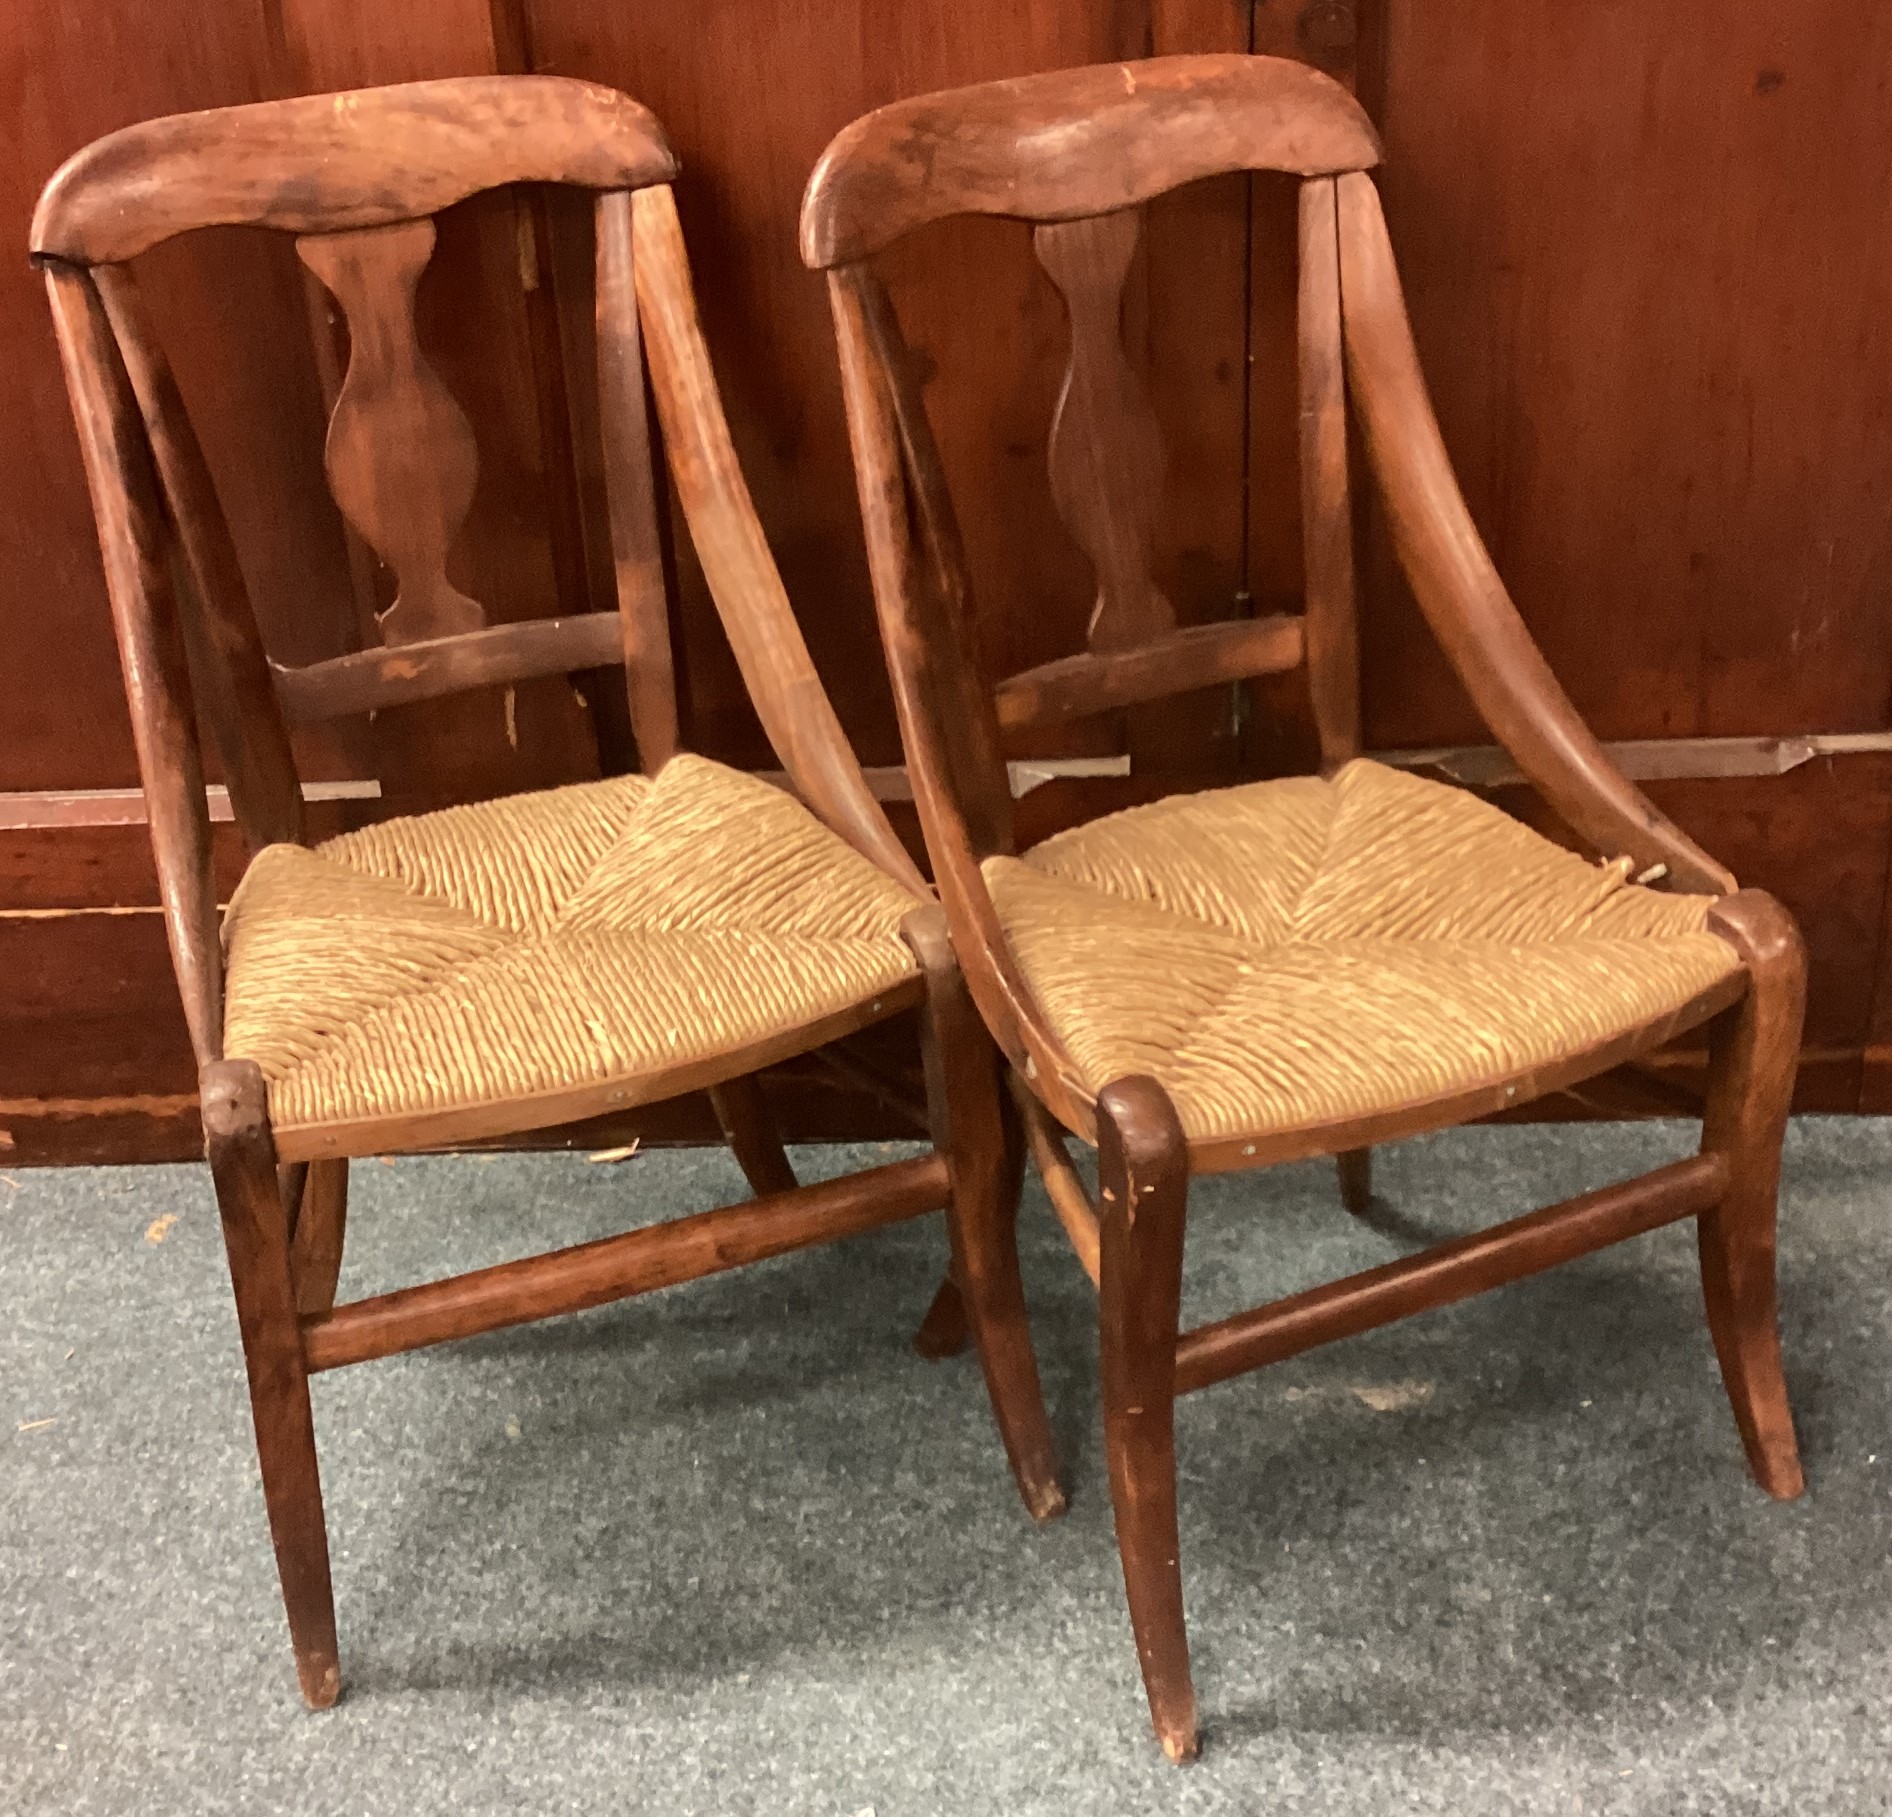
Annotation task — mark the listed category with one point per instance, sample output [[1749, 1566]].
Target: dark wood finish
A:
[[1198, 656], [750, 1131], [1449, 1272], [1062, 1184], [986, 1159], [1333, 635], [1143, 1189], [1753, 1050], [320, 1229], [256, 1241], [331, 164], [615, 1268], [1355, 344], [636, 547], [1681, 576], [371, 681], [228, 665], [1356, 1179], [132, 537], [403, 467], [1117, 135]]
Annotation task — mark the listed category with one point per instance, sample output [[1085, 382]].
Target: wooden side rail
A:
[[1198, 656], [615, 1268], [1448, 1271], [1063, 1184], [368, 680]]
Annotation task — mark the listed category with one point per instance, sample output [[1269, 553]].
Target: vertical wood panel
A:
[[1647, 254]]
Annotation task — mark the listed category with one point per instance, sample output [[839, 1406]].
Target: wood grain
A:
[[334, 163], [1198, 656], [614, 1268], [1448, 1272], [1073, 143], [1106, 453], [370, 681], [402, 462]]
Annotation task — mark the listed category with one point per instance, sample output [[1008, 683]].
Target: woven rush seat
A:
[[1300, 952], [593, 935]]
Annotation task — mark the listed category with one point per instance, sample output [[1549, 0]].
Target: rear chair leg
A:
[[750, 1131], [975, 1128], [256, 1239], [943, 1332], [1356, 1179], [1754, 1050], [1143, 1196], [320, 1224]]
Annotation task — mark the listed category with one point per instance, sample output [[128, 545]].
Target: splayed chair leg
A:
[[944, 1331], [976, 1129], [750, 1131], [256, 1240], [1143, 1181], [1356, 1179], [1753, 1056]]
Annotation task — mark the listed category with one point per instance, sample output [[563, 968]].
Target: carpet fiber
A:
[[733, 1548]]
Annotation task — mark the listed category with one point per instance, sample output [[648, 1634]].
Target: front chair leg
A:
[[1143, 1194], [256, 1239], [1754, 1050], [973, 1126]]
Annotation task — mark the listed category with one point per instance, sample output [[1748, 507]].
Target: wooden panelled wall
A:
[[1647, 255]]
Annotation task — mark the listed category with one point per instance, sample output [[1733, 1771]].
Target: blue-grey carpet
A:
[[733, 1548]]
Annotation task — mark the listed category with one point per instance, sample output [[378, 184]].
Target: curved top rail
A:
[[325, 163], [1074, 142]]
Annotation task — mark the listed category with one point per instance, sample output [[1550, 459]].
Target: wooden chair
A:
[[510, 966], [1302, 967]]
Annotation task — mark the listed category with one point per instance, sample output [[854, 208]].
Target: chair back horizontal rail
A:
[[1074, 142], [329, 163], [366, 681], [1199, 656]]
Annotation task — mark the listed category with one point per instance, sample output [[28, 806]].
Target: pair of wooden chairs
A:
[[1209, 981]]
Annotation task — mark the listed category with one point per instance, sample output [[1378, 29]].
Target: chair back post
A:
[[134, 541], [650, 675]]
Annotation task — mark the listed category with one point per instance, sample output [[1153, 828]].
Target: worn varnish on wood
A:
[[1073, 152], [356, 179]]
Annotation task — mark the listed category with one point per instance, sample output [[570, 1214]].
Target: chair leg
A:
[[1143, 1181], [255, 1235], [1356, 1179], [750, 1131], [321, 1223], [1753, 1054], [975, 1128]]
